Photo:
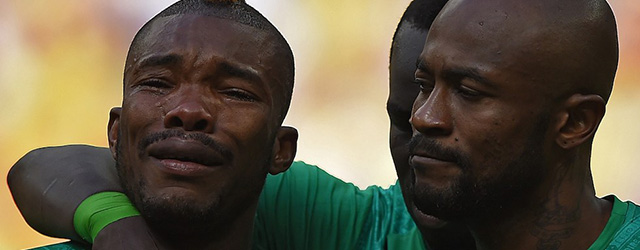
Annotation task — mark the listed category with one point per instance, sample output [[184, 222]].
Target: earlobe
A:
[[112, 129], [580, 120], [284, 149]]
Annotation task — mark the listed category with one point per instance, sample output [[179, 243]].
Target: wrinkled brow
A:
[[160, 60], [243, 73]]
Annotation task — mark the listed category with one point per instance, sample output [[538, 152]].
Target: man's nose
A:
[[432, 113], [190, 113]]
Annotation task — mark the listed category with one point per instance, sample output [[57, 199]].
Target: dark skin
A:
[[195, 82], [184, 81], [96, 173], [540, 236], [437, 234], [45, 215], [517, 96]]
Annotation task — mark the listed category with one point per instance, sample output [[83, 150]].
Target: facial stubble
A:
[[469, 198], [186, 215]]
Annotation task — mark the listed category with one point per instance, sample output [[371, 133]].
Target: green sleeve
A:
[[306, 208]]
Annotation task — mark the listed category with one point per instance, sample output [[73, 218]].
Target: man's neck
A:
[[451, 236], [233, 235], [565, 214]]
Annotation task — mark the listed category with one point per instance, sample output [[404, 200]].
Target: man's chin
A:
[[184, 213], [424, 220]]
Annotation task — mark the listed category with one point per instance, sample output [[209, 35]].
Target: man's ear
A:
[[112, 129], [580, 119], [284, 149]]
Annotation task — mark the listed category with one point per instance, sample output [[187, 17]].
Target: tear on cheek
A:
[[162, 103]]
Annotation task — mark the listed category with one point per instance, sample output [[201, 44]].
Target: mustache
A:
[[196, 136], [421, 144]]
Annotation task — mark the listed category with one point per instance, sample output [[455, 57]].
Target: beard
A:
[[469, 197], [177, 217], [168, 213]]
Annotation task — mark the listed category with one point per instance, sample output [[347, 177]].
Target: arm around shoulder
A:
[[49, 183]]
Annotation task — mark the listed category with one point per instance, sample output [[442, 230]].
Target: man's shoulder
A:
[[302, 173], [627, 235], [299, 167], [69, 245]]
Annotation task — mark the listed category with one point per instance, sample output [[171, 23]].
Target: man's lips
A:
[[420, 158], [426, 166], [185, 157]]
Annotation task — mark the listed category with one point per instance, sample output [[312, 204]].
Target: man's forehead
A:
[[408, 44], [205, 38], [203, 30], [481, 15], [489, 29]]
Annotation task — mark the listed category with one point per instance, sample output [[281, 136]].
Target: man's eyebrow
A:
[[160, 60], [240, 72], [466, 72]]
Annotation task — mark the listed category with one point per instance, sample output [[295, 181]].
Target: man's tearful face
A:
[[195, 134]]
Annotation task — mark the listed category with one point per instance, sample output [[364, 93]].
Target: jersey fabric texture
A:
[[310, 209], [623, 228], [306, 208]]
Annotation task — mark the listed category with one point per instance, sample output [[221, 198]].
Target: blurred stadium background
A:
[[61, 68]]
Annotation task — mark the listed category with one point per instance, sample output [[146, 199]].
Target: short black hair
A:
[[238, 11], [234, 10], [419, 14]]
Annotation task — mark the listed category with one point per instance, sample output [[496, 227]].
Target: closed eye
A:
[[240, 95], [468, 93], [155, 83], [425, 86]]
